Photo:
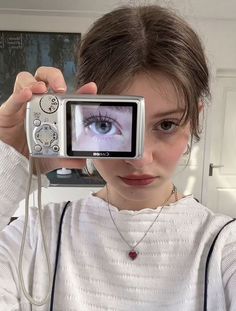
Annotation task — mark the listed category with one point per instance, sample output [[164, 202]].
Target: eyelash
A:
[[97, 118]]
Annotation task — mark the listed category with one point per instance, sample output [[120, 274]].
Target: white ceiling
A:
[[225, 9]]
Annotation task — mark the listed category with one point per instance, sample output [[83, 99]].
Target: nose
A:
[[146, 159]]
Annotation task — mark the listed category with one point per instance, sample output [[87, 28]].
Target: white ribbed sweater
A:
[[94, 271]]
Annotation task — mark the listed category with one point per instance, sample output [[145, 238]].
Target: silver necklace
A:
[[133, 253]]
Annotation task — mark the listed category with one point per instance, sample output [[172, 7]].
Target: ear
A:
[[200, 106], [90, 167]]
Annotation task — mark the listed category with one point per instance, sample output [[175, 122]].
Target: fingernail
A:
[[58, 85], [60, 89]]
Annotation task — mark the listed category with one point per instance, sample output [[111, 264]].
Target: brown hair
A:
[[130, 40]]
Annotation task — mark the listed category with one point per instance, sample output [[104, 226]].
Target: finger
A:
[[53, 77], [89, 88], [26, 79], [16, 101]]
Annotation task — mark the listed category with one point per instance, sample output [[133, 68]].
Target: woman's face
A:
[[144, 180]]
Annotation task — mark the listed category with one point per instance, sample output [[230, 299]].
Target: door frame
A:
[[208, 126]]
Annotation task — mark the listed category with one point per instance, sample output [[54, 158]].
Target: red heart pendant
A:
[[133, 255]]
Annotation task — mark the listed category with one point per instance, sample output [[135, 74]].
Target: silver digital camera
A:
[[85, 126]]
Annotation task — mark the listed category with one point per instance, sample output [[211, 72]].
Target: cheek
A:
[[173, 151], [105, 167]]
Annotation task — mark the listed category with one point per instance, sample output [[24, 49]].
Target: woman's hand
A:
[[12, 112]]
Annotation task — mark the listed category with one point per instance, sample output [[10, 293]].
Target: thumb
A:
[[89, 88]]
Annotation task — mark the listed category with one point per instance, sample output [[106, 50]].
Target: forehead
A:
[[158, 90]]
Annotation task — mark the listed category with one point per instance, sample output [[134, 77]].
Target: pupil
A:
[[103, 127], [166, 125]]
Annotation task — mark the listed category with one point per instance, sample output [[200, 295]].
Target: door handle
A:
[[211, 166]]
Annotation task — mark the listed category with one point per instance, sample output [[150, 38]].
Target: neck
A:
[[132, 202]]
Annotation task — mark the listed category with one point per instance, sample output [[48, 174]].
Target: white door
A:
[[220, 171]]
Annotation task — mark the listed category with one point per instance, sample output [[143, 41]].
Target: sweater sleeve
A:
[[11, 296], [13, 182]]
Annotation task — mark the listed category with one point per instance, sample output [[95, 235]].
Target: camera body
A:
[[85, 126]]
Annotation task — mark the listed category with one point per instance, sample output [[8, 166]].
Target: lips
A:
[[138, 180]]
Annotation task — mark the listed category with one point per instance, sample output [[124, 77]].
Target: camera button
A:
[[37, 122], [49, 103], [55, 148], [37, 148]]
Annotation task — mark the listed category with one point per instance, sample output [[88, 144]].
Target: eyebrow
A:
[[169, 112]]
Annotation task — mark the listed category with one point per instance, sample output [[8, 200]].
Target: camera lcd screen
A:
[[101, 129]]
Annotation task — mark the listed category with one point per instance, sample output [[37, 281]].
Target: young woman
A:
[[137, 244]]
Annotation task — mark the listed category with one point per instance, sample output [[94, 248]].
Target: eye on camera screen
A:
[[102, 128]]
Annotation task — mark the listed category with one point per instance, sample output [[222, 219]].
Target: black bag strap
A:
[[207, 264]]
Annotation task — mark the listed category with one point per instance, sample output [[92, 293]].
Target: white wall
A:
[[219, 36], [36, 22]]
